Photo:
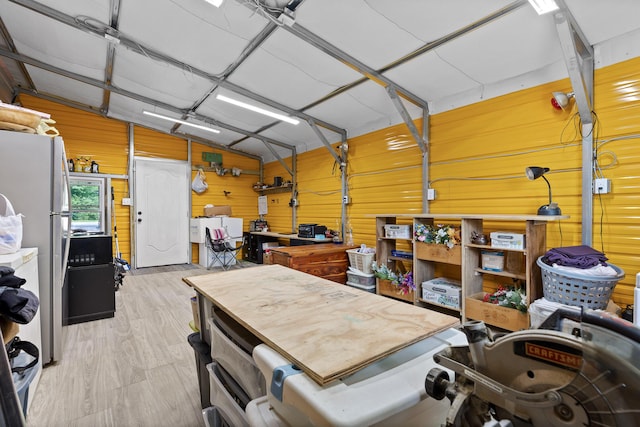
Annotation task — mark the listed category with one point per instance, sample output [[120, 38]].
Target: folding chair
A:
[[220, 252]]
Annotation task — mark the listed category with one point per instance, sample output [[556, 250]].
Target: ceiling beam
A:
[[578, 56], [348, 60], [151, 53], [111, 55], [102, 85]]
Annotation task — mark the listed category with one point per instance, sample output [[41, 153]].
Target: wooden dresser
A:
[[327, 260]]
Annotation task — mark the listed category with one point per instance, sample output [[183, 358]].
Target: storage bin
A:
[[442, 291], [494, 314], [492, 260], [397, 231], [222, 398], [370, 288], [22, 381], [361, 261], [361, 279], [507, 240], [237, 362], [202, 352], [577, 289]]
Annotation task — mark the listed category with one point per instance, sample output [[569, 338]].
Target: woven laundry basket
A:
[[577, 289]]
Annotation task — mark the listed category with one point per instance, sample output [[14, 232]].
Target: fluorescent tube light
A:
[[182, 122], [544, 6], [216, 3], [258, 110]]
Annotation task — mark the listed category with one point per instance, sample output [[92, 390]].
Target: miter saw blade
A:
[[584, 377]]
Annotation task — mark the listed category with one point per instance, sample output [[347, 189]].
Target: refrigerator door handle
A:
[[65, 257]]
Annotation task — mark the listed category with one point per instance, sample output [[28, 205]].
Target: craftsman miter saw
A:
[[578, 369]]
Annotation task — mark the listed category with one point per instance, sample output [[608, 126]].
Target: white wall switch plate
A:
[[126, 201], [431, 194]]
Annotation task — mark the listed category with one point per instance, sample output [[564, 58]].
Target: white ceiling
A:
[[175, 56]]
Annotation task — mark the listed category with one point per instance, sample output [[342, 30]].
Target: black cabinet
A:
[[89, 293], [252, 246], [89, 288]]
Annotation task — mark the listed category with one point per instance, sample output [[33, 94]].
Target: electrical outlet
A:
[[126, 201], [345, 200], [602, 186], [431, 194]]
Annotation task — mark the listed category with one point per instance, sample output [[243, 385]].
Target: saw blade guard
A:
[[578, 371]]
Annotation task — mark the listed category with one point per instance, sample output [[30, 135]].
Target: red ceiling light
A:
[[560, 100]]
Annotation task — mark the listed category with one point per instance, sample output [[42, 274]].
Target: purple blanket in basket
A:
[[582, 256]]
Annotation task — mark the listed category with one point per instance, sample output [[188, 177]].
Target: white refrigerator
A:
[[34, 177]]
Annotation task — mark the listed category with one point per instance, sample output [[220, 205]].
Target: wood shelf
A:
[[274, 190], [466, 261], [493, 248], [398, 258], [520, 276], [439, 305]]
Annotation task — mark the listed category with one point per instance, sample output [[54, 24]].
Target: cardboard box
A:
[[217, 210], [442, 291], [507, 240]]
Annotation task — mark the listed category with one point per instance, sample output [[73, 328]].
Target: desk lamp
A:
[[535, 172]]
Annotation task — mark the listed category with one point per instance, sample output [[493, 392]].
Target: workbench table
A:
[[327, 329]]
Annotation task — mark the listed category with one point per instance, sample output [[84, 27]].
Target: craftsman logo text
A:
[[554, 356]]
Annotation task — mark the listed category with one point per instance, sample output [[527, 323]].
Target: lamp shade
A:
[[560, 100], [535, 172]]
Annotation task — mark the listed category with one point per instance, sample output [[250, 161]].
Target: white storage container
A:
[[397, 231], [507, 240], [230, 410], [492, 260], [389, 392], [370, 288], [442, 291], [260, 414], [235, 361], [361, 279]]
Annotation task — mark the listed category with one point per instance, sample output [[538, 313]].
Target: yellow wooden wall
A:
[[107, 142], [478, 154]]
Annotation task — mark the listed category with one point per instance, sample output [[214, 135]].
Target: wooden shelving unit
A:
[[384, 247], [466, 262]]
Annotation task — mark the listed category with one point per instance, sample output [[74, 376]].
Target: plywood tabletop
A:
[[327, 329]]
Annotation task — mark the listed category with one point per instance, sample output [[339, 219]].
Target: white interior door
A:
[[161, 216]]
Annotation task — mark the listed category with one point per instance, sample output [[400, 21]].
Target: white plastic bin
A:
[[222, 399], [235, 361]]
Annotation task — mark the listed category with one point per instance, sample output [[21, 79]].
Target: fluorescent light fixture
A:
[[216, 3], [182, 122], [544, 6], [258, 110]]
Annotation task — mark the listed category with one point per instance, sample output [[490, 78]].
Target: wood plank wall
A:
[[478, 154], [107, 142]]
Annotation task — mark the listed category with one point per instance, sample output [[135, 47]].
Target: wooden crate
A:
[[438, 253], [492, 314], [387, 289]]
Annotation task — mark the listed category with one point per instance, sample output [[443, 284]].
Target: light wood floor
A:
[[136, 369]]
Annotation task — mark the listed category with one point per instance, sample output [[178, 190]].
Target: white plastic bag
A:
[[199, 185], [10, 228]]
